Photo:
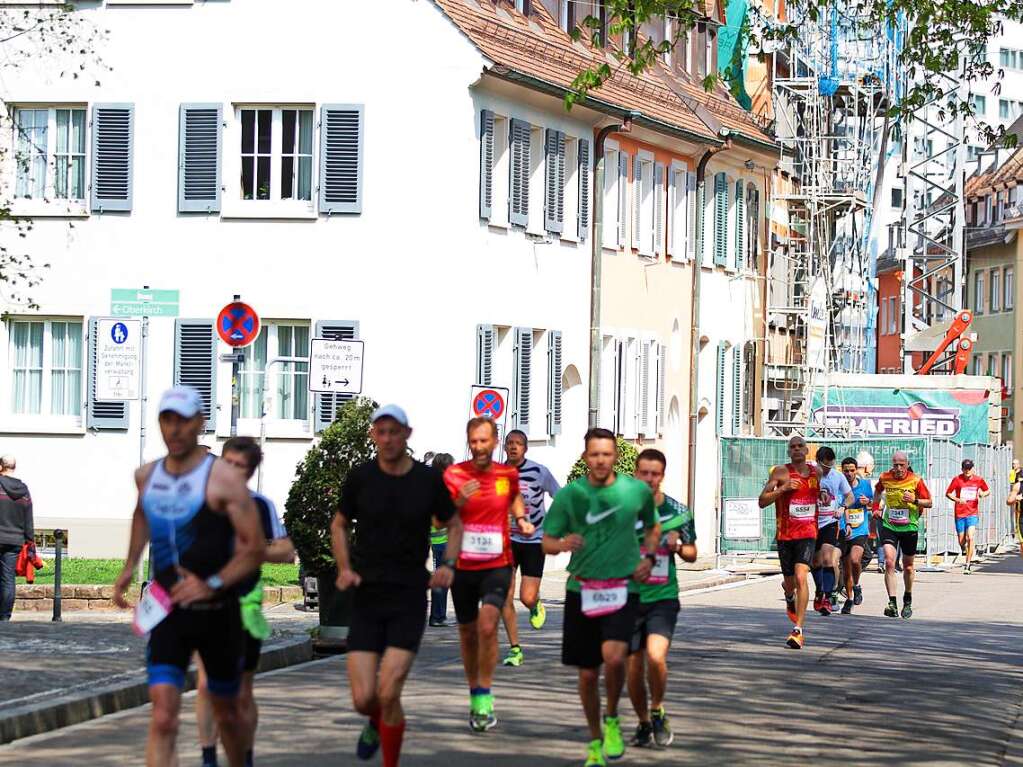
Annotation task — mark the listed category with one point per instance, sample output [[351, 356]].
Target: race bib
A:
[[603, 597], [968, 494], [659, 573], [854, 518], [482, 542], [802, 510], [153, 607], [898, 516]]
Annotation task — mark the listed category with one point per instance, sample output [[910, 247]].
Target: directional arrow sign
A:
[[335, 366]]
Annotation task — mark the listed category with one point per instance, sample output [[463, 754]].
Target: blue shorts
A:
[[962, 523]]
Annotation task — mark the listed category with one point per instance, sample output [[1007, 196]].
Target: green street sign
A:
[[133, 302]]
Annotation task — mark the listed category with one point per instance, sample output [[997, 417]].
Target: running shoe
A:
[[663, 735], [795, 640], [644, 737], [847, 607], [790, 608], [614, 746], [825, 608], [369, 742], [907, 610], [857, 596], [891, 611], [817, 599], [595, 755], [515, 657], [538, 616], [481, 713], [968, 570]]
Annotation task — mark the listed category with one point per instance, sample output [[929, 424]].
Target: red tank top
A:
[[796, 511]]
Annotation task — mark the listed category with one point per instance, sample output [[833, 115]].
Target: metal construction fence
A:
[[746, 463]]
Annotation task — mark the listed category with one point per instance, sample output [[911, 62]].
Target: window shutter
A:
[[195, 362], [554, 196], [200, 137], [719, 388], [518, 200], [753, 222], [342, 131], [554, 390], [113, 126], [662, 381], [659, 208], [584, 189], [486, 163], [623, 197], [637, 200], [720, 219], [326, 405], [645, 380], [691, 217], [523, 377], [677, 210], [101, 415], [740, 226], [486, 337], [737, 390]]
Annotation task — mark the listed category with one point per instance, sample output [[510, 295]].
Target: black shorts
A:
[[906, 540], [859, 540], [387, 615], [471, 587], [215, 633], [797, 552], [827, 534], [529, 558], [658, 618], [253, 648], [582, 637]]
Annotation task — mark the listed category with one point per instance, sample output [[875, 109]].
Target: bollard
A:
[[58, 539]]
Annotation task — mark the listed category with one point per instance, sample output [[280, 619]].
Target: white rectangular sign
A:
[[742, 518], [118, 359], [335, 366]]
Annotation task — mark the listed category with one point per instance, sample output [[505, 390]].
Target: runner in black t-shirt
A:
[[392, 500]]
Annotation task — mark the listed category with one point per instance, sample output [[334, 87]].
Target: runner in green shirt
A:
[[659, 607], [595, 518]]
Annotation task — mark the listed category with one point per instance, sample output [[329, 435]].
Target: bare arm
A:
[[339, 531], [136, 543], [455, 530], [688, 552], [280, 551], [776, 485]]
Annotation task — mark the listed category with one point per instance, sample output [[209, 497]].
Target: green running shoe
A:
[[369, 742], [515, 657], [595, 755], [481, 713], [907, 610], [538, 616], [891, 611], [614, 746]]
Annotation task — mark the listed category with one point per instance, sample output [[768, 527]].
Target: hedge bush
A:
[[626, 463]]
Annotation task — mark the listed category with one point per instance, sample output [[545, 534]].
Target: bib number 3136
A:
[[153, 607], [482, 542], [603, 597]]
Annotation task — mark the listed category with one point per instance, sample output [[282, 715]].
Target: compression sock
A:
[[907, 598], [893, 601], [391, 736], [828, 579], [817, 577], [374, 719], [209, 756]]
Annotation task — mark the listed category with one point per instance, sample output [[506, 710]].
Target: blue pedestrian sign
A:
[[119, 333]]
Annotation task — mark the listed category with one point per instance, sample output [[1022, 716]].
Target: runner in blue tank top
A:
[[205, 538]]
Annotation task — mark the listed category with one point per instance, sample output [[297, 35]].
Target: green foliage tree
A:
[[316, 492], [626, 463]]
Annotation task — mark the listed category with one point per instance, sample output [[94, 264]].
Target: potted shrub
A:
[[314, 498], [626, 463]]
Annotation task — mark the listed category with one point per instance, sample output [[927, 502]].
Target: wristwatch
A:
[[215, 582], [450, 563]]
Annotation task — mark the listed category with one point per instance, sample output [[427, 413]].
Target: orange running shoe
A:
[[790, 608], [795, 640]]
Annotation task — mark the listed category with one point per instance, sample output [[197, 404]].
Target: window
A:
[[897, 197], [978, 365], [996, 291], [50, 155], [992, 365], [979, 104], [882, 322], [612, 180], [978, 293], [276, 154], [1007, 373], [1010, 289], [46, 367], [712, 50], [289, 399], [643, 200], [1009, 109], [568, 14], [893, 315], [1010, 58], [700, 51]]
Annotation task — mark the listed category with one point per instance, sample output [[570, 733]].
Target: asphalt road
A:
[[944, 688]]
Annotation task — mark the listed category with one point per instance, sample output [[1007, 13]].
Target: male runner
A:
[[438, 546], [905, 496], [205, 538], [393, 499], [595, 518], [658, 606], [965, 491], [1013, 501], [535, 480], [836, 497], [794, 489], [484, 493], [855, 532]]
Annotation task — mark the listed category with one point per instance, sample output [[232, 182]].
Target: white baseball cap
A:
[[183, 400], [390, 411]]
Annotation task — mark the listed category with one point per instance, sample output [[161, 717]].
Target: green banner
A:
[[960, 415]]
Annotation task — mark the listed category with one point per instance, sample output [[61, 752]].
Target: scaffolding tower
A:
[[832, 87]]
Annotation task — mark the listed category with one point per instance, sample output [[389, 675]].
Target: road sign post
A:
[[237, 326]]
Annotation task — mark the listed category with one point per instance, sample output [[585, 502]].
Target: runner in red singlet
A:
[[794, 489]]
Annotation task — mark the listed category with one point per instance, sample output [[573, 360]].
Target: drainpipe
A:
[[597, 241], [694, 350]]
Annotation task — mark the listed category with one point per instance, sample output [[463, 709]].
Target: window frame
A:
[[978, 293], [1009, 288], [647, 192], [1006, 375], [287, 428], [995, 291], [50, 204]]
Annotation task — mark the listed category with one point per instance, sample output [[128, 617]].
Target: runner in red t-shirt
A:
[[794, 489], [965, 491], [484, 492]]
